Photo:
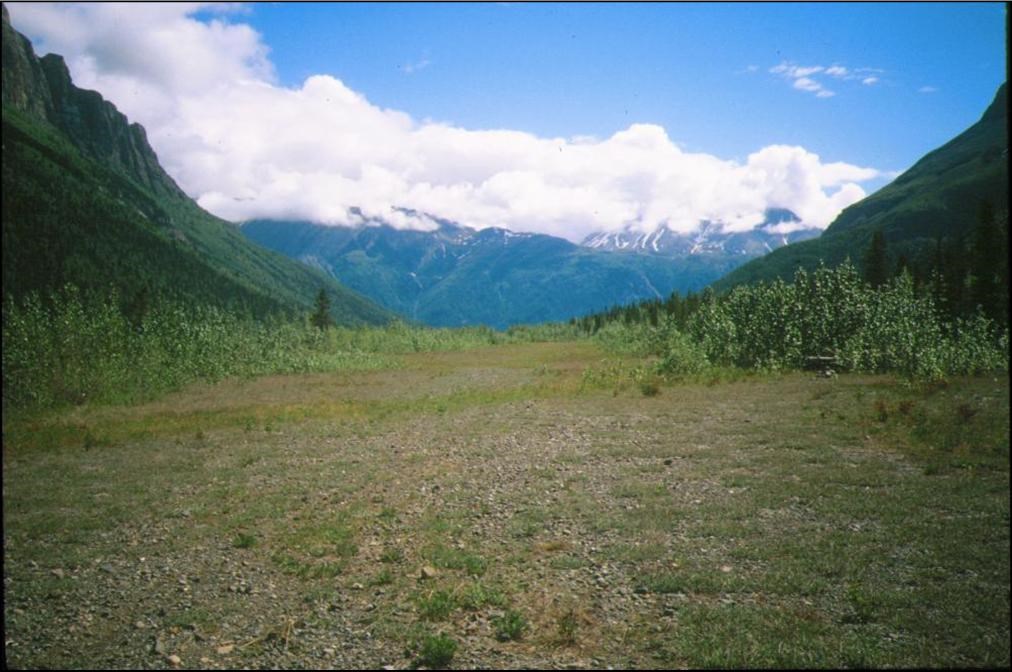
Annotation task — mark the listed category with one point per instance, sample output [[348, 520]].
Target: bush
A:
[[831, 311], [776, 326], [682, 356]]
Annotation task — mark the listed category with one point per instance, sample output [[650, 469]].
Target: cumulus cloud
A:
[[246, 147]]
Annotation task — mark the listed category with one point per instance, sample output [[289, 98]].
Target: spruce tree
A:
[[876, 262], [321, 315], [988, 257]]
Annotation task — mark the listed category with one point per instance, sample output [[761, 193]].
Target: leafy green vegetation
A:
[[828, 313], [76, 347]]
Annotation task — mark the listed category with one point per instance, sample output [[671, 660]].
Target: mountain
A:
[[85, 201], [455, 275], [940, 197], [711, 239]]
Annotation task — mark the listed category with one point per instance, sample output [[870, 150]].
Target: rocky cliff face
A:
[[42, 88], [24, 84]]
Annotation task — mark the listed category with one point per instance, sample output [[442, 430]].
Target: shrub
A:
[[436, 651], [682, 356]]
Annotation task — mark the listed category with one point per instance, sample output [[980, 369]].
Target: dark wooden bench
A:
[[825, 364]]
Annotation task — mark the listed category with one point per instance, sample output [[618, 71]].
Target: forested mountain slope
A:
[[86, 202]]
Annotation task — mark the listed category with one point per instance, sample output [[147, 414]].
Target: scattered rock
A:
[[427, 572], [174, 660], [226, 649], [58, 573]]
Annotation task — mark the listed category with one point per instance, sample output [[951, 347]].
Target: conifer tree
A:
[[988, 259], [876, 263], [321, 315]]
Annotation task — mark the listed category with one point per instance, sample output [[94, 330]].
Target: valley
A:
[[326, 382]]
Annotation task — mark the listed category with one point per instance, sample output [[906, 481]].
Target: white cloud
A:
[[802, 77], [795, 71], [927, 89], [246, 147], [808, 84], [412, 68]]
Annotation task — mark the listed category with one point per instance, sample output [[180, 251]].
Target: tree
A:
[[876, 262], [321, 315], [989, 257]]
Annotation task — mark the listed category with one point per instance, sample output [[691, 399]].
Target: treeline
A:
[[676, 310], [75, 347], [965, 274]]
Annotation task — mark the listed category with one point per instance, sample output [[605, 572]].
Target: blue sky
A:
[[578, 69], [568, 119]]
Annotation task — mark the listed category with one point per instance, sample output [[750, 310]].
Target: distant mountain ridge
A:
[[710, 238], [85, 201], [455, 275], [939, 197]]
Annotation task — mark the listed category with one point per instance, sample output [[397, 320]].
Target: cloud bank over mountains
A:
[[246, 147]]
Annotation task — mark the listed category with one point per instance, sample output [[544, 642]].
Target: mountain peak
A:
[[43, 89], [710, 238], [998, 109]]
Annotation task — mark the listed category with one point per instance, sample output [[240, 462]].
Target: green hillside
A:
[[86, 202], [940, 197], [70, 219]]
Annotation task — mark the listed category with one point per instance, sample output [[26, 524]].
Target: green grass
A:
[[454, 558], [510, 626], [243, 540], [436, 605], [436, 651]]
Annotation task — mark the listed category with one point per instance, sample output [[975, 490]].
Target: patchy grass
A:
[[509, 627], [514, 511]]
